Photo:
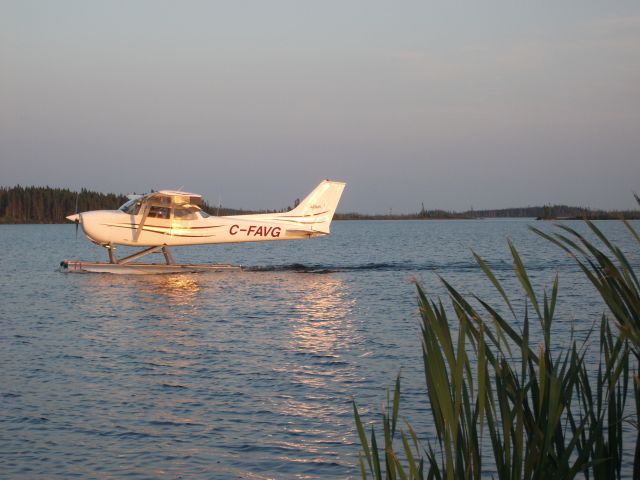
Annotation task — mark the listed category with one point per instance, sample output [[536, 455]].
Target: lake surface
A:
[[239, 375]]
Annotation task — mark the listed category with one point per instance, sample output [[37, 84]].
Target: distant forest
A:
[[51, 205]]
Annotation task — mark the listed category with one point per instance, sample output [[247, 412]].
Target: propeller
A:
[[77, 221]]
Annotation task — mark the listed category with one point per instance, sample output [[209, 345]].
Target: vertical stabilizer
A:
[[317, 209]]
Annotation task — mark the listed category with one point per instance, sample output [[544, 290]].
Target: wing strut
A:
[[145, 212]]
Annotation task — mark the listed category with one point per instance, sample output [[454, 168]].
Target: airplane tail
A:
[[319, 206], [314, 213]]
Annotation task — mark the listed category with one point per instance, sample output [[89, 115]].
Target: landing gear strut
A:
[[168, 256]]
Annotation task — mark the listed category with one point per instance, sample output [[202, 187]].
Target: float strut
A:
[[168, 256], [141, 253], [165, 250], [112, 253]]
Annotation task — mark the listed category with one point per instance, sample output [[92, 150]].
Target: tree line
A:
[[51, 205], [546, 212]]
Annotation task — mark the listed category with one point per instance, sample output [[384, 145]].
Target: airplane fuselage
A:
[[168, 218], [116, 227]]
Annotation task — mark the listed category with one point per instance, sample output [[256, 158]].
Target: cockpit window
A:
[[159, 212], [132, 207], [204, 214]]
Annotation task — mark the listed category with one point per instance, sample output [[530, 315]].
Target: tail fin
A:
[[313, 215], [317, 209]]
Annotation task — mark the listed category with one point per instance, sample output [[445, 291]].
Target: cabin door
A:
[[159, 220]]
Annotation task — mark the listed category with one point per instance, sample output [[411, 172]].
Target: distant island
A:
[[51, 205], [546, 212]]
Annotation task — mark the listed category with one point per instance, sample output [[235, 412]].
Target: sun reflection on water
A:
[[321, 335], [321, 322], [177, 289], [151, 316]]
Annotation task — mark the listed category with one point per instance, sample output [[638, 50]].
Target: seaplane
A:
[[167, 218]]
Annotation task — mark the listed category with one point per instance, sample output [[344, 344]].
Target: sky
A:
[[452, 104]]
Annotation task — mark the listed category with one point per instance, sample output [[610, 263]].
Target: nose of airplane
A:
[[74, 218]]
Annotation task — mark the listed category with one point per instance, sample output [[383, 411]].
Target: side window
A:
[[184, 214], [159, 212]]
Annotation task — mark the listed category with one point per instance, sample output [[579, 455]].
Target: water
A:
[[238, 375]]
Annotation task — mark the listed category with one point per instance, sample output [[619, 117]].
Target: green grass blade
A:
[[396, 406], [492, 278], [362, 435], [521, 274], [632, 230], [377, 471]]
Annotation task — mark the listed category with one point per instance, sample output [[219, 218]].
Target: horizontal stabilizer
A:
[[304, 233]]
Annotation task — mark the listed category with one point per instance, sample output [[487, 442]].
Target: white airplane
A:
[[168, 218]]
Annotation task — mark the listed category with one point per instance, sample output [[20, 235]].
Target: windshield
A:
[[131, 207]]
